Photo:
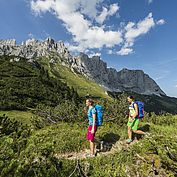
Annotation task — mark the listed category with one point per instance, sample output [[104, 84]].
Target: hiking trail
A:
[[106, 150]]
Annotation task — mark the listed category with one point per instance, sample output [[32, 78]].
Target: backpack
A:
[[99, 114], [140, 109]]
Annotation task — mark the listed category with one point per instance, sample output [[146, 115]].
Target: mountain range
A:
[[93, 68]]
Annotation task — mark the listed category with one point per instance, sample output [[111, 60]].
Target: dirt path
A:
[[117, 147]]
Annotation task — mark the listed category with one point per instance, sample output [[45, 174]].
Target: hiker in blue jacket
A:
[[92, 128]]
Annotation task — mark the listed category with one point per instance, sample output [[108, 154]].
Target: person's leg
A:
[[93, 151], [136, 126], [92, 148], [129, 126], [129, 132], [129, 140], [91, 138], [140, 132]]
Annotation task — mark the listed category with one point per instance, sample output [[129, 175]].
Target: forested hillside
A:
[[26, 84]]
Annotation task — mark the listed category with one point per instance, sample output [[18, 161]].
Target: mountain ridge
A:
[[92, 68]]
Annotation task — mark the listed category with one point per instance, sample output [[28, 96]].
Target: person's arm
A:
[[93, 125], [136, 111]]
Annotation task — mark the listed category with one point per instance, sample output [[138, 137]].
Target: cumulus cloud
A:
[[74, 16], [85, 21], [134, 30], [110, 52], [125, 51], [94, 54], [161, 22], [106, 13], [42, 6], [89, 8], [176, 85], [150, 1]]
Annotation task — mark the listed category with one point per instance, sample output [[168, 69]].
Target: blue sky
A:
[[133, 34]]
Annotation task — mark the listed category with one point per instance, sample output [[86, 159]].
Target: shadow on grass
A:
[[107, 141], [144, 128]]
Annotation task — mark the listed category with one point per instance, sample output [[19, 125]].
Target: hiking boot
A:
[[128, 141]]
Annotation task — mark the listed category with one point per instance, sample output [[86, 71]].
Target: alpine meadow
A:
[[90, 92]]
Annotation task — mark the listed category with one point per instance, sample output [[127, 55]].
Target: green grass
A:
[[72, 137], [21, 116], [80, 83], [39, 148], [66, 137]]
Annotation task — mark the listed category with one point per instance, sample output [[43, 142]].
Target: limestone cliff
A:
[[92, 68]]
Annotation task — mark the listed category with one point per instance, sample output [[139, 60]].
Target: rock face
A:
[[112, 80], [92, 68], [32, 48]]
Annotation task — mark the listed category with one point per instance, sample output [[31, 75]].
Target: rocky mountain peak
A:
[[8, 42], [91, 67], [32, 48], [112, 80]]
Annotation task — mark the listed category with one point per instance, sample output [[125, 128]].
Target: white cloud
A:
[[106, 13], [94, 54], [150, 1], [110, 52], [42, 6], [125, 51], [134, 30], [30, 35], [89, 7], [73, 14], [176, 85], [161, 22], [81, 18]]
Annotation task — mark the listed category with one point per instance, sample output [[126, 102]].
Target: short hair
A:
[[90, 101], [131, 97]]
